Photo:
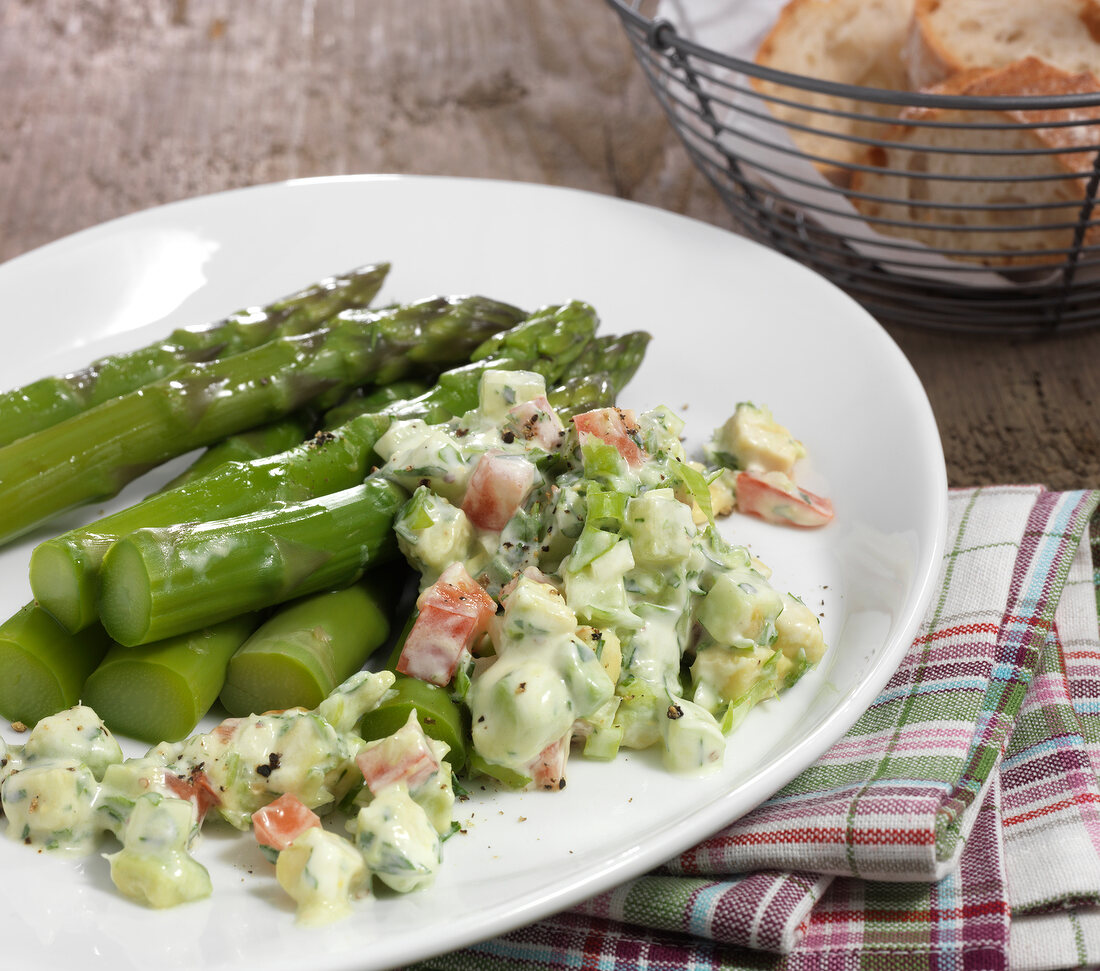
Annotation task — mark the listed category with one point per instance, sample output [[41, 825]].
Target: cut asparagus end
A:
[[125, 601], [142, 700], [256, 683], [64, 583], [160, 691], [44, 667], [29, 690]]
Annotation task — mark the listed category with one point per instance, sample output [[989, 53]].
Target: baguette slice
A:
[[850, 41], [974, 229], [949, 36]]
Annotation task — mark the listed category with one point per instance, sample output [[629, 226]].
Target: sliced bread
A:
[[949, 36], [850, 41], [921, 203]]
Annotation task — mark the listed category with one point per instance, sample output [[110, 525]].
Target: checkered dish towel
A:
[[957, 825]]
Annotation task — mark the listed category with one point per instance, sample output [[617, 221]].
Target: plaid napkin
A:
[[956, 825]]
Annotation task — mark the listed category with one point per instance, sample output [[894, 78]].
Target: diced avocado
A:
[[500, 391], [161, 880], [322, 872], [433, 534], [51, 805], [637, 713], [402, 435], [534, 608], [741, 609], [76, 733], [398, 841], [692, 737], [799, 631], [596, 591], [510, 778], [661, 528], [752, 439], [604, 742]]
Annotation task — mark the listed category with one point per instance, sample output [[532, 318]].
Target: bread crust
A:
[[1008, 174], [931, 54], [927, 59], [1031, 78], [816, 38]]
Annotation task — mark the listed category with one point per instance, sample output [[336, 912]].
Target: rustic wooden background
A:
[[110, 106]]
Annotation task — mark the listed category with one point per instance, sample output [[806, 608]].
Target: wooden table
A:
[[111, 106]]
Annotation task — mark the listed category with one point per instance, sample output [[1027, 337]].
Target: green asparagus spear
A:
[[50, 400], [269, 439], [94, 454], [279, 436], [604, 369], [43, 665], [363, 401], [64, 570], [550, 342], [159, 582], [158, 692], [304, 650], [436, 711]]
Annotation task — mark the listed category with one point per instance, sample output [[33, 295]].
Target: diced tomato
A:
[[775, 498], [452, 614], [405, 756], [281, 822], [225, 730], [497, 488], [196, 787], [547, 771], [617, 427], [536, 420], [435, 645]]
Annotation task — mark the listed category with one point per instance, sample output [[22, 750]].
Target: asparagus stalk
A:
[[159, 582], [43, 665], [48, 401], [160, 691], [438, 714], [603, 370], [269, 439], [551, 342], [304, 650], [284, 434], [94, 454], [364, 401], [64, 570]]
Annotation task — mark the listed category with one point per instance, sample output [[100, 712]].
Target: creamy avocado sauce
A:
[[618, 534], [623, 619], [68, 788]]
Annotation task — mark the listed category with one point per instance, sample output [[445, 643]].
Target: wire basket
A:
[[924, 207]]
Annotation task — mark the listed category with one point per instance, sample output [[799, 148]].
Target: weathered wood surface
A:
[[110, 106]]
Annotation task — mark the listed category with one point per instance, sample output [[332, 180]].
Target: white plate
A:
[[731, 321]]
